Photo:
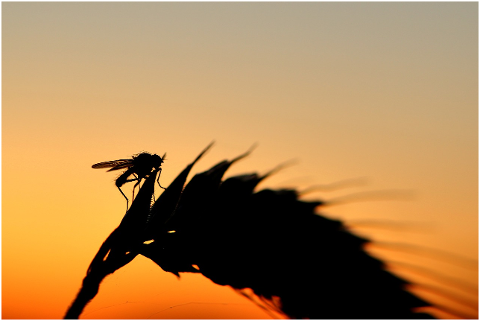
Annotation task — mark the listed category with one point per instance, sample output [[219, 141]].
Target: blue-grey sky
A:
[[387, 91]]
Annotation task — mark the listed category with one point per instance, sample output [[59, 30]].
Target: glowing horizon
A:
[[386, 91]]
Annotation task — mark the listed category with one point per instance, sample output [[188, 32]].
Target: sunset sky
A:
[[380, 93]]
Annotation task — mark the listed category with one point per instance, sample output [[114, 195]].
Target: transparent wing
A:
[[120, 166], [115, 164]]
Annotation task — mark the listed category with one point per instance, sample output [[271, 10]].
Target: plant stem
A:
[[89, 289]]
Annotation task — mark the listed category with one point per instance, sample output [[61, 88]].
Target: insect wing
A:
[[120, 166], [114, 164]]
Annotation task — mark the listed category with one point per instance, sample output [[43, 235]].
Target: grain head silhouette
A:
[[294, 260]]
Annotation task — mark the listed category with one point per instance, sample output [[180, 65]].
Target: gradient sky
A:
[[382, 91]]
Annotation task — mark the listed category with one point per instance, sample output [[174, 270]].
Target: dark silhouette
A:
[[308, 266], [296, 261], [139, 165], [123, 244]]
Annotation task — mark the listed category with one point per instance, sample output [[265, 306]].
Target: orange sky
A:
[[386, 91]]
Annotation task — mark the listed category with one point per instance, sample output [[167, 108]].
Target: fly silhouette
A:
[[140, 166]]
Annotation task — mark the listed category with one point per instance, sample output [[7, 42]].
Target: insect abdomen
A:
[[122, 179]]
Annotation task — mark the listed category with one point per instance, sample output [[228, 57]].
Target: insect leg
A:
[[136, 184], [158, 183], [123, 195], [131, 180], [158, 178]]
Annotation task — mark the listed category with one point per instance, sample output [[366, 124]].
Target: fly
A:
[[140, 166]]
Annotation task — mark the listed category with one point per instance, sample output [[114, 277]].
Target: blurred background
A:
[[383, 94]]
